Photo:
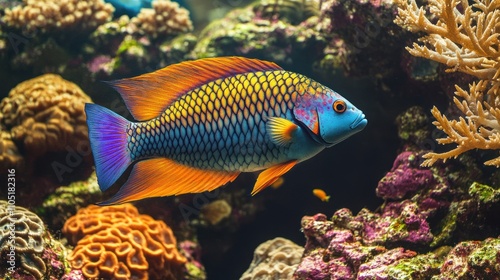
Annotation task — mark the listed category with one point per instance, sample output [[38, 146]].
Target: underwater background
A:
[[396, 209]]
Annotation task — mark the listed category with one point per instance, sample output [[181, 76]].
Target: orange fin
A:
[[164, 177], [281, 130], [270, 175], [148, 95], [315, 127]]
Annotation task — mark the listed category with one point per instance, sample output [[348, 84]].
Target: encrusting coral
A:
[[27, 250], [51, 16], [274, 259], [165, 18], [66, 200], [116, 242], [464, 37]]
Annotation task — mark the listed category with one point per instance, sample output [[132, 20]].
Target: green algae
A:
[[418, 267], [484, 193], [194, 272], [447, 226], [487, 255], [66, 200], [130, 46]]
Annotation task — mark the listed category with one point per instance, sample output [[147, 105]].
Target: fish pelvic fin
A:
[[109, 141], [270, 175], [165, 177], [148, 95]]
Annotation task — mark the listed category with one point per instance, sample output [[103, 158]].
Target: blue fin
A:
[[108, 140]]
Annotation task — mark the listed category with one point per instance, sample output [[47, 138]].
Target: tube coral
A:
[[464, 37]]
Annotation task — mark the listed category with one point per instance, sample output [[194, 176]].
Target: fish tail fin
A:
[[108, 140]]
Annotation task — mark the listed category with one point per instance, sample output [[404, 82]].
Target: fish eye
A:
[[339, 106]]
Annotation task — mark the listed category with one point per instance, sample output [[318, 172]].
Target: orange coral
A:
[[121, 244]]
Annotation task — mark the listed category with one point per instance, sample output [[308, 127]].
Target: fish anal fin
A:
[[281, 130], [165, 177], [148, 95], [270, 175]]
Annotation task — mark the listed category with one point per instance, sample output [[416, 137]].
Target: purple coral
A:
[[405, 178], [74, 274], [319, 260], [377, 267], [398, 222]]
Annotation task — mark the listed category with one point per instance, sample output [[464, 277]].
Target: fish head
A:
[[329, 117]]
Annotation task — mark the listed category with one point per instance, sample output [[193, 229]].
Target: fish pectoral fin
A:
[[281, 130], [165, 177], [270, 175]]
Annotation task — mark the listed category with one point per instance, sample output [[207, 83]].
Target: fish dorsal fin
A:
[[148, 95]]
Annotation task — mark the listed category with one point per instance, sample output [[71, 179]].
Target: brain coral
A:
[[50, 16], [165, 18], [9, 154], [119, 243], [34, 253], [45, 114], [274, 259], [45, 123]]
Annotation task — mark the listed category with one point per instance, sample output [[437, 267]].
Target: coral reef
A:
[[65, 201], [292, 11], [27, 249], [463, 37], [413, 127], [361, 38], [473, 260], [215, 211], [115, 241], [9, 153], [44, 117], [45, 114], [274, 259], [470, 217], [332, 252], [166, 18], [192, 252], [87, 44], [53, 16], [421, 213], [252, 32]]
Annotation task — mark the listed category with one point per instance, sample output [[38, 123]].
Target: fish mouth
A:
[[359, 123]]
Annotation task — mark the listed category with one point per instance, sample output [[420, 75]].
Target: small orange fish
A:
[[278, 183], [321, 194]]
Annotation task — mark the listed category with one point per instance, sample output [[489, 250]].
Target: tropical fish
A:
[[278, 183], [200, 123], [321, 194], [132, 7]]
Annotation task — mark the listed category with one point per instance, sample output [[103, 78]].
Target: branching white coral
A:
[[465, 41], [465, 37]]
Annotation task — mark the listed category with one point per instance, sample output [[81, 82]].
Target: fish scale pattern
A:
[[222, 124]]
